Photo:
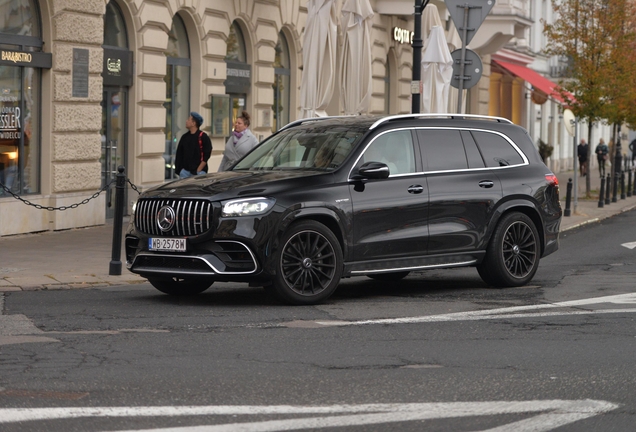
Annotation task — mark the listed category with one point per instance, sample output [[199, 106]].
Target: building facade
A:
[[87, 86]]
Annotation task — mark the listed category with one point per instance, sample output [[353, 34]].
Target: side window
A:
[[472, 152], [394, 149], [496, 150], [442, 149]]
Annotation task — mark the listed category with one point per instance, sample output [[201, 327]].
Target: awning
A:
[[537, 81]]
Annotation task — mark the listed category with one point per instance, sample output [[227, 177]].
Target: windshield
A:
[[303, 148]]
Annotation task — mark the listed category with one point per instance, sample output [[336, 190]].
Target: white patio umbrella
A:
[[319, 58], [437, 71], [430, 19], [454, 42], [355, 61]]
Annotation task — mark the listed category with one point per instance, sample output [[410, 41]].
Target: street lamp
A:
[[417, 56]]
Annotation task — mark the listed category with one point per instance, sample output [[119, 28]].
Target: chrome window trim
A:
[[512, 143]]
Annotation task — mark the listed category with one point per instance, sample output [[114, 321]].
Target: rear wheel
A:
[[394, 276], [309, 264], [512, 256], [179, 287]]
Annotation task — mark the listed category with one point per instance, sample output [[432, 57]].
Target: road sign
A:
[[477, 11], [472, 68]]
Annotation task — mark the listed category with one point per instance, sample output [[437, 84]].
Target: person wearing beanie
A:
[[194, 149], [239, 144]]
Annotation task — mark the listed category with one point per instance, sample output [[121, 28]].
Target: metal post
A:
[[417, 56], [575, 184], [629, 182], [618, 162], [607, 189], [568, 198], [462, 65], [623, 196], [601, 195], [120, 189]]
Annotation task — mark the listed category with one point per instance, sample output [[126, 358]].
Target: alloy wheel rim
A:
[[519, 249], [308, 263]]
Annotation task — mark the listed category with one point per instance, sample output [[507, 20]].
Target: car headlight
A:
[[247, 206], [134, 207]]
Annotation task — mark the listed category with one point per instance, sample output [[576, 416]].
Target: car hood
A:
[[229, 184]]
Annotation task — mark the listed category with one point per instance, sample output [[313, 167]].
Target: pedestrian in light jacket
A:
[[240, 143]]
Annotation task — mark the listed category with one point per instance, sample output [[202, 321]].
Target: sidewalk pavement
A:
[[80, 258]]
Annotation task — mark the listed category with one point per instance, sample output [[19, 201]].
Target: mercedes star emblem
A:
[[165, 218]]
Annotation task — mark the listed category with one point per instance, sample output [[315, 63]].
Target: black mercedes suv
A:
[[326, 198]]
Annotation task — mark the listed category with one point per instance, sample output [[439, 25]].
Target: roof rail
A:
[[430, 115], [309, 119]]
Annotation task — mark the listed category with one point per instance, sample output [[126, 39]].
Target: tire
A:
[[512, 256], [179, 287], [308, 264], [394, 276]]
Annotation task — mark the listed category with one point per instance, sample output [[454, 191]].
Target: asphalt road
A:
[[438, 351]]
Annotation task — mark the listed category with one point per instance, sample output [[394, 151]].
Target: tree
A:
[[589, 33]]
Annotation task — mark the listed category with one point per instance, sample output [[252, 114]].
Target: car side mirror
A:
[[372, 170]]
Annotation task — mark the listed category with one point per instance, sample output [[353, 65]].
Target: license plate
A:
[[167, 244]]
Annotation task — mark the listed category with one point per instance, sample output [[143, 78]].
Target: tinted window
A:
[[394, 149], [496, 150], [443, 150], [472, 152]]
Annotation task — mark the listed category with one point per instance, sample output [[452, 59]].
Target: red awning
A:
[[537, 81]]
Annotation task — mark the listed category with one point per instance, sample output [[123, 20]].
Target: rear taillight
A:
[[552, 179]]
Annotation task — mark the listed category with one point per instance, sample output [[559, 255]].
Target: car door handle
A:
[[415, 189], [486, 184]]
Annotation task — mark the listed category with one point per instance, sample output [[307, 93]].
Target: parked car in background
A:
[[335, 197]]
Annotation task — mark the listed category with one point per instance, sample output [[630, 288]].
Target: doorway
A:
[[114, 145]]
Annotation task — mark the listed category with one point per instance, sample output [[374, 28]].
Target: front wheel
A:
[[309, 264], [179, 287], [512, 256]]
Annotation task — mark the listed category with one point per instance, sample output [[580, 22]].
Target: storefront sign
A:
[[80, 72], [118, 67], [26, 58], [238, 77], [10, 121], [402, 36]]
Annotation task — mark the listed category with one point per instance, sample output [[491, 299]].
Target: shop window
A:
[[177, 91], [236, 45], [239, 72], [114, 27], [281, 86], [20, 147]]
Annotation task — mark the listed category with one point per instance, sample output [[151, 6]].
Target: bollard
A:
[[607, 190], [618, 163], [120, 189], [601, 195], [629, 183], [623, 185], [568, 198]]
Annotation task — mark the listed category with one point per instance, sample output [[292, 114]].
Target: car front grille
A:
[[191, 217]]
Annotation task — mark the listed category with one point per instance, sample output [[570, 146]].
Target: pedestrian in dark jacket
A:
[[194, 149], [601, 156]]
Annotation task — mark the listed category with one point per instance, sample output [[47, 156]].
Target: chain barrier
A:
[[72, 206]]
